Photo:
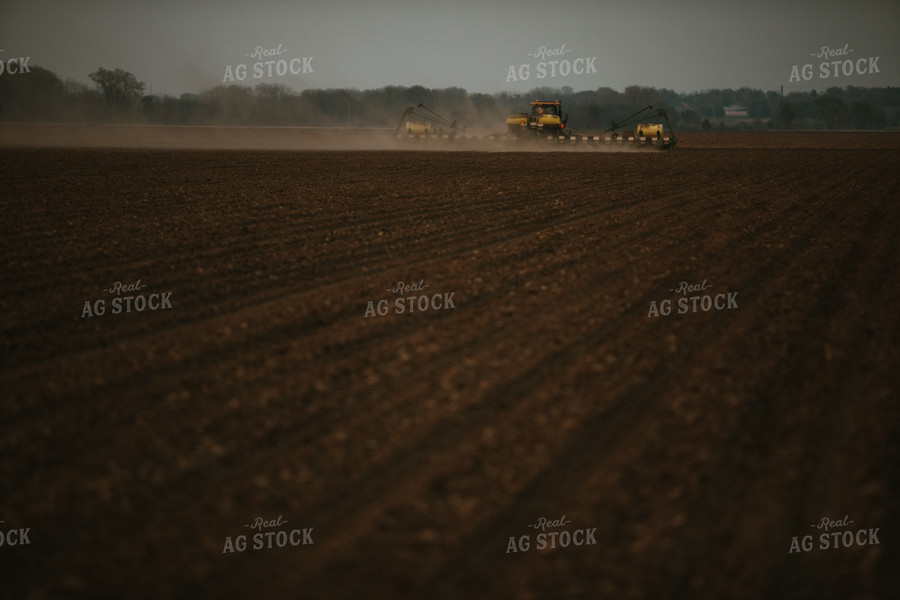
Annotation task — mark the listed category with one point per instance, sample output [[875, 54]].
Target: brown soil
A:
[[417, 444]]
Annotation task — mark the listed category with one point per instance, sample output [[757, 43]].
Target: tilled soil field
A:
[[614, 375]]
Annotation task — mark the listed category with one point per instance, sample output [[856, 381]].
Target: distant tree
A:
[[669, 97], [82, 101], [150, 107], [864, 116], [272, 92], [39, 95], [831, 111], [76, 88], [545, 93], [787, 116], [120, 88], [606, 96], [483, 101], [758, 108], [690, 119], [43, 96], [640, 95], [417, 94], [453, 95]]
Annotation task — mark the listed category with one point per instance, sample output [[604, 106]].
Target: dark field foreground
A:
[[685, 452]]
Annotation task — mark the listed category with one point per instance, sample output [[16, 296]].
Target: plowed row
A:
[[417, 444]]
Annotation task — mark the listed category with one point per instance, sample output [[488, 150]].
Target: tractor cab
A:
[[546, 115]]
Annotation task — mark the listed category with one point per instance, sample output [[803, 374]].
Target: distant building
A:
[[735, 111]]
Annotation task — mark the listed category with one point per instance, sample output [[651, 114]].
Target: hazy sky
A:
[[186, 46]]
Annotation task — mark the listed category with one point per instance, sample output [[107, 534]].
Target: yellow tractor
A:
[[545, 117]]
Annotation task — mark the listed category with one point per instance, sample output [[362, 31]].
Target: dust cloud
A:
[[173, 137]]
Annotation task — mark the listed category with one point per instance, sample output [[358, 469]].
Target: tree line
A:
[[118, 96]]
